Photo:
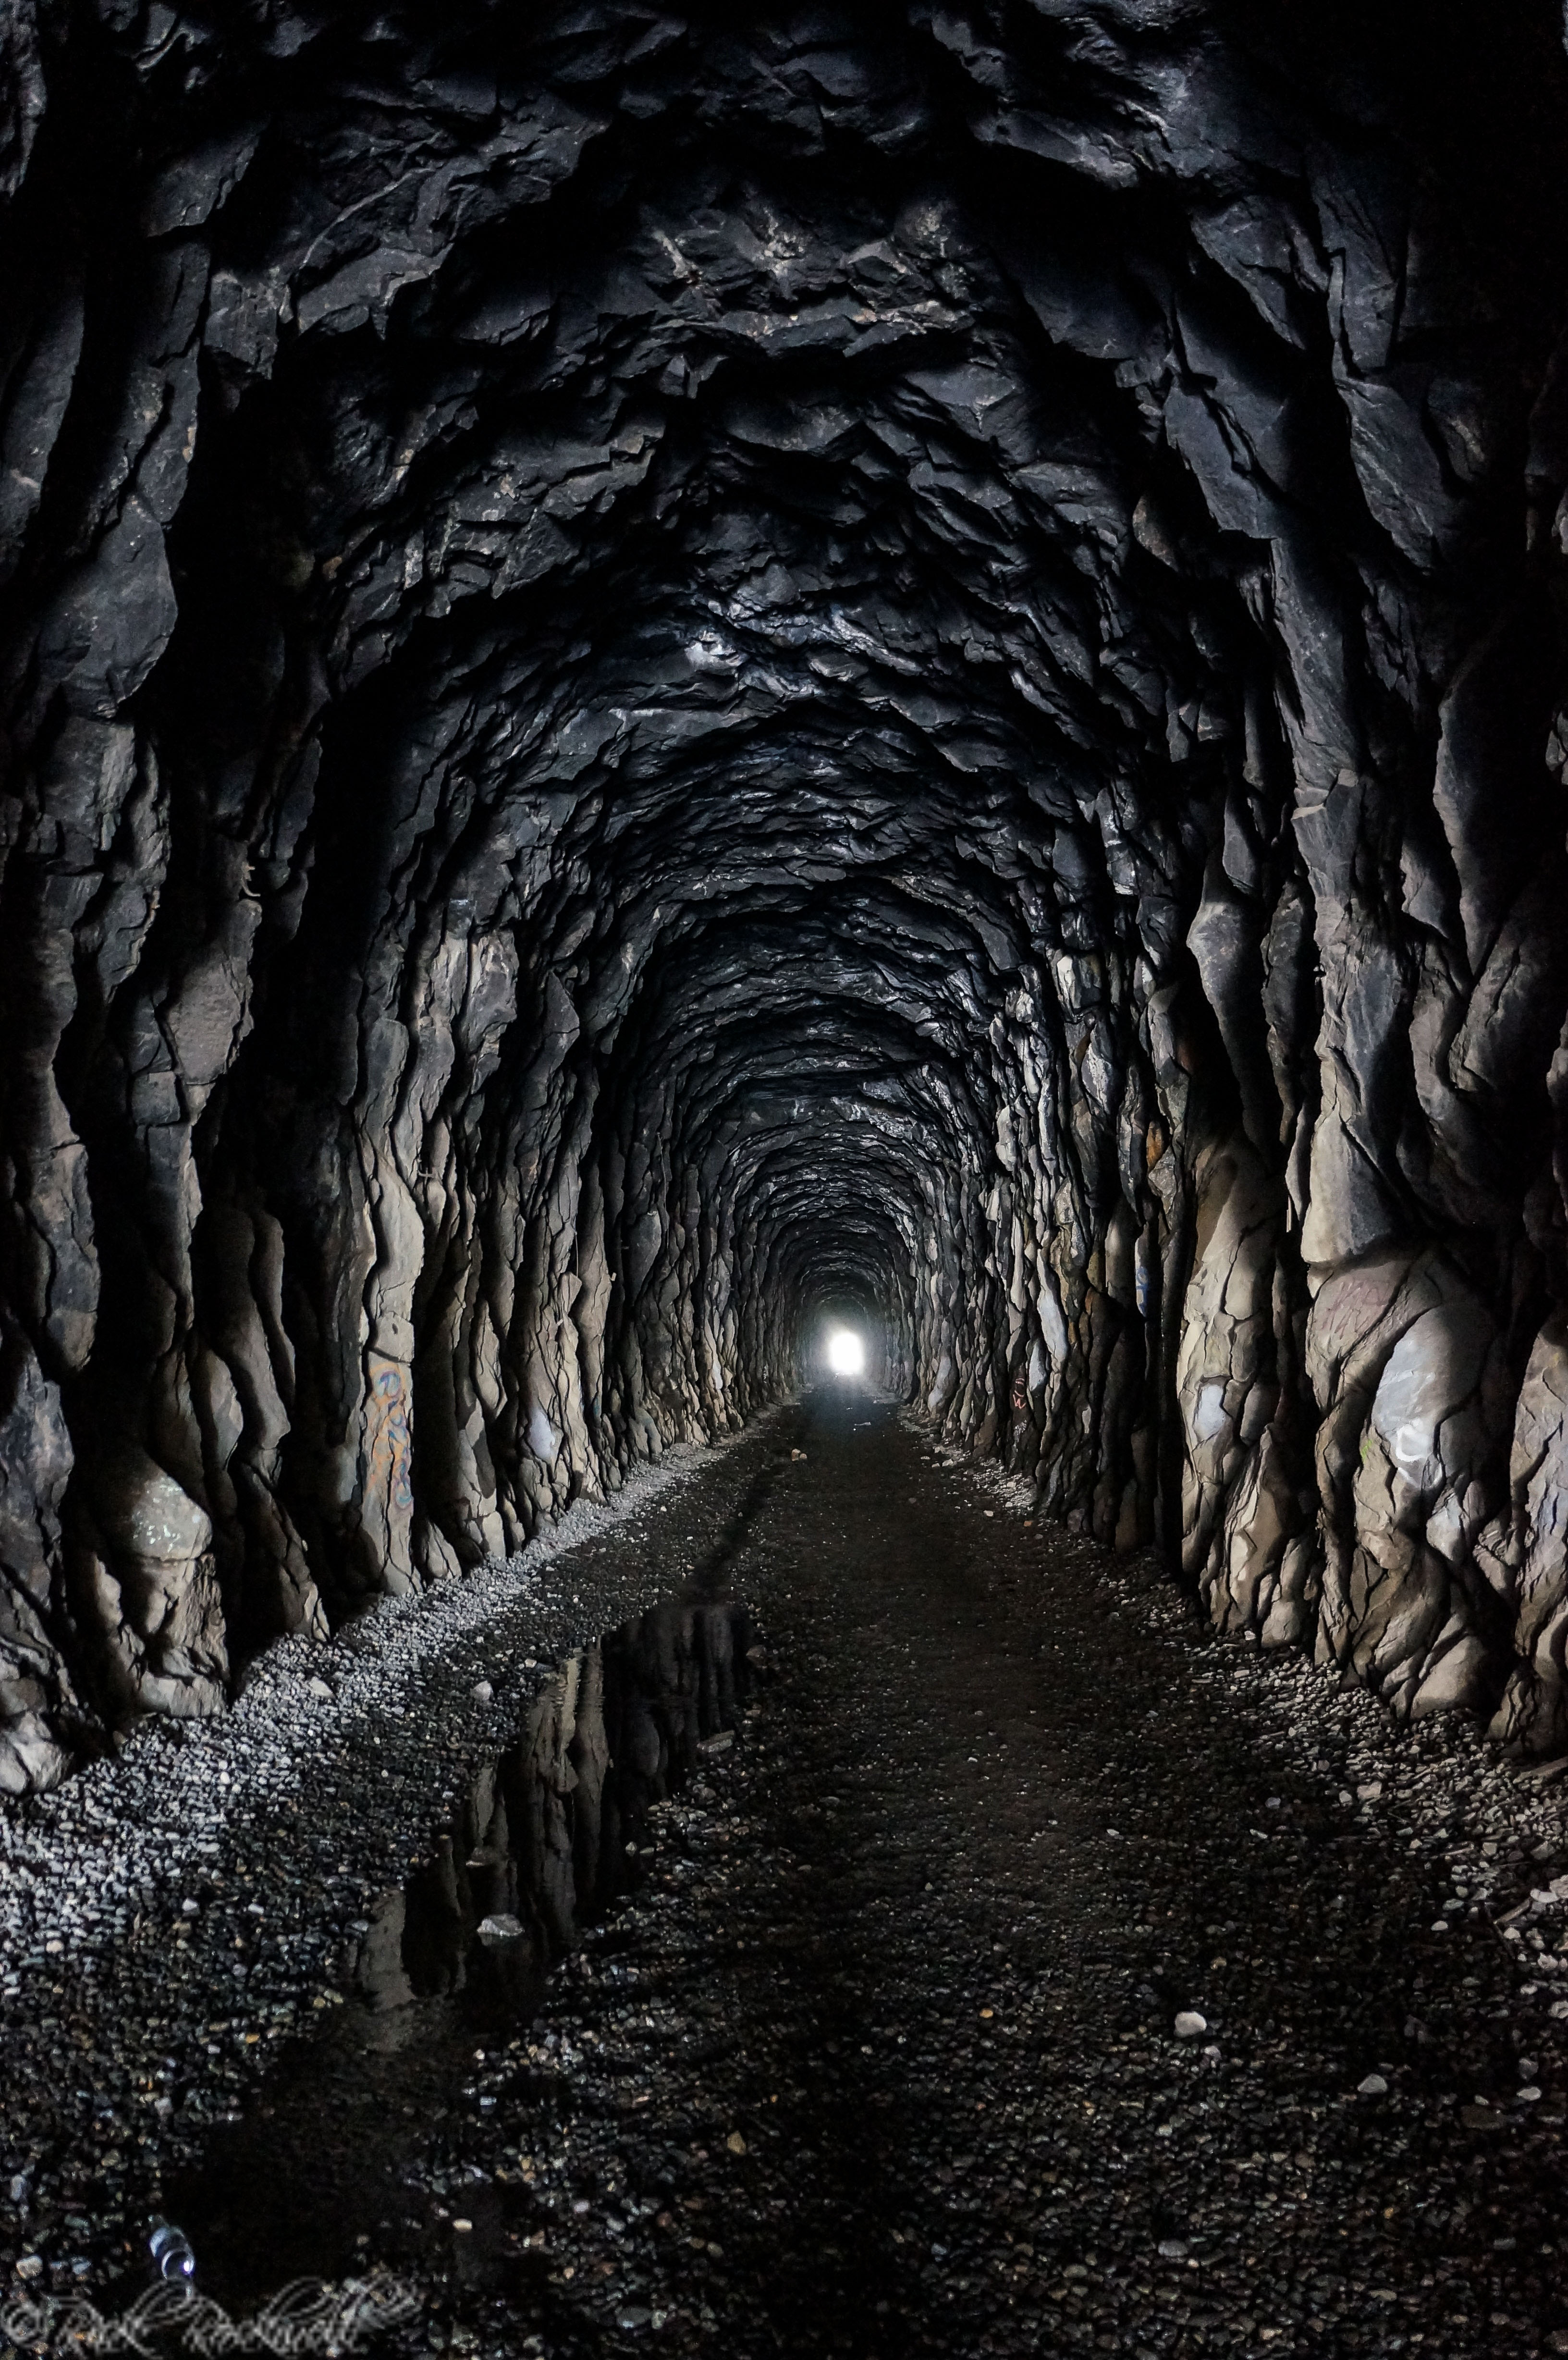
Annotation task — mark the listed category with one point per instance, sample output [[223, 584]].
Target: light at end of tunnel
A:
[[846, 1353]]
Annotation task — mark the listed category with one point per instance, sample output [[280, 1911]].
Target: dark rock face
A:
[[662, 675]]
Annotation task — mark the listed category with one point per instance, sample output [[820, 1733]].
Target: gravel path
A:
[[183, 1906], [885, 2053]]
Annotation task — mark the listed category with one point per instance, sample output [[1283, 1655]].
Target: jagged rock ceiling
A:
[[667, 673]]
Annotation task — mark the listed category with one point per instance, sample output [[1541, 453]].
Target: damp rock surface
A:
[[885, 2046], [663, 677]]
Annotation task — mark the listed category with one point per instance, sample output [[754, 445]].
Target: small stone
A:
[[501, 1927], [735, 2144], [1173, 2249], [1190, 2024], [31, 2266], [317, 1686], [482, 1692], [464, 2228], [1374, 2086]]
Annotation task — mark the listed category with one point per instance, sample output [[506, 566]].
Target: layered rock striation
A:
[[665, 676]]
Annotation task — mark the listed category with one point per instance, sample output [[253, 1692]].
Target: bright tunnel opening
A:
[[846, 1353]]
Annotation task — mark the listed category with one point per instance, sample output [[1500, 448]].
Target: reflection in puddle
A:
[[549, 1835]]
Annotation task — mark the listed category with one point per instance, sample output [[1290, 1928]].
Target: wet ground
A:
[[999, 1963]]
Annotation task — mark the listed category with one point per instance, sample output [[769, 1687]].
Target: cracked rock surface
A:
[[664, 675]]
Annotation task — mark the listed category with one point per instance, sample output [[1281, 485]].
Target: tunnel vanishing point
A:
[[668, 677]]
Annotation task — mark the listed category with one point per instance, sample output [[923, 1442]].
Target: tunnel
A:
[[807, 758]]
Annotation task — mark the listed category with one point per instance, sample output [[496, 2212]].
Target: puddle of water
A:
[[549, 1835]]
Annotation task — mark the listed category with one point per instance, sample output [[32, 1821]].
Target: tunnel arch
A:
[[658, 674]]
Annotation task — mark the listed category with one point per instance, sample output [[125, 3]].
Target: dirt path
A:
[[881, 2055], [883, 2059]]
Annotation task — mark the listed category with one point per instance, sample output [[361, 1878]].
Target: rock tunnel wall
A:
[[665, 674]]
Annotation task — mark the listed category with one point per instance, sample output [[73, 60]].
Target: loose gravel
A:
[[184, 1905], [1032, 1970]]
